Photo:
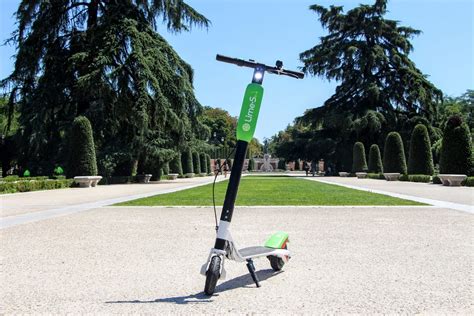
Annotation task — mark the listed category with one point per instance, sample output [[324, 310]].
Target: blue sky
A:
[[268, 30]]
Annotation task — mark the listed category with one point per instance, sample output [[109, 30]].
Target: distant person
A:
[[225, 169], [313, 168]]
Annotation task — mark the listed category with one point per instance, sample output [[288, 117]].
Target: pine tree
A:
[[359, 163], [420, 158], [394, 154], [120, 73], [251, 166], [375, 161], [82, 159]]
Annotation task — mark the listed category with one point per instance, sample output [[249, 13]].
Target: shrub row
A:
[[17, 178], [34, 185], [377, 176]]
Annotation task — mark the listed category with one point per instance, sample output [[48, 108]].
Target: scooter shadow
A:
[[241, 281]]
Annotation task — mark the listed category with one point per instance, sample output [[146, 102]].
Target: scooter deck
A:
[[255, 251]]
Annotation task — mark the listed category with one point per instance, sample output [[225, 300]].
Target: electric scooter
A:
[[275, 248]]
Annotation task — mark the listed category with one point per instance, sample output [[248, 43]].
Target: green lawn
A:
[[257, 190]]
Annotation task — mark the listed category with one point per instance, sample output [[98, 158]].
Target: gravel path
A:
[[147, 260]]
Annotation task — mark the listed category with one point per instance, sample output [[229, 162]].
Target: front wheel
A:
[[212, 275]]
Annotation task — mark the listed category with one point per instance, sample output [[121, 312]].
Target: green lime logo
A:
[[246, 127]]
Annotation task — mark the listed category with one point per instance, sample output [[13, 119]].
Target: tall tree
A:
[[105, 60], [368, 55]]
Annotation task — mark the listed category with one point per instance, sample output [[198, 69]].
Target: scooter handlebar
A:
[[253, 64]]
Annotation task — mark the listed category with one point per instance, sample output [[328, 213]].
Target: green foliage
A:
[[365, 50], [203, 163], [17, 178], [34, 185], [175, 165], [187, 161], [359, 163], [377, 176], [27, 173], [104, 60], [419, 178], [251, 165], [375, 160], [437, 180], [208, 164], [82, 159], [58, 171], [420, 159], [196, 163], [394, 154], [282, 164], [166, 168], [469, 182], [221, 125], [456, 148]]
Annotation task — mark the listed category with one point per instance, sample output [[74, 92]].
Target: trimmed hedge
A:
[[166, 168], [187, 161], [437, 180], [469, 182], [420, 159], [17, 178], [419, 178], [377, 176], [34, 185], [375, 159], [251, 165], [281, 164], [208, 163], [203, 163], [82, 159], [394, 154], [359, 163], [176, 166], [455, 148], [196, 163]]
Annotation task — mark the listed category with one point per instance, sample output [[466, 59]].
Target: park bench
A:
[[391, 176], [453, 180], [144, 178], [343, 174], [87, 181], [361, 175]]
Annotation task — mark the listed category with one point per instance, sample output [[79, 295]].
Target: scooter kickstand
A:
[[251, 268]]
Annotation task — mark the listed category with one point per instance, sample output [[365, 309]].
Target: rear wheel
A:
[[277, 263], [212, 275]]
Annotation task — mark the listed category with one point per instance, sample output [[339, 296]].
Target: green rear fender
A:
[[277, 241]]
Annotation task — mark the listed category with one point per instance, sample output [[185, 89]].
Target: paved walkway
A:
[[118, 260], [32, 206], [458, 198]]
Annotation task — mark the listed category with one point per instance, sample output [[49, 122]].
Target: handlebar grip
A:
[[297, 74]]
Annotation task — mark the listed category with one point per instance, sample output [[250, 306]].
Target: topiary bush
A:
[[203, 163], [166, 168], [176, 166], [82, 159], [469, 182], [375, 160], [359, 163], [251, 165], [281, 164], [420, 159], [187, 161], [208, 163], [394, 154], [377, 176], [196, 163], [456, 148]]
